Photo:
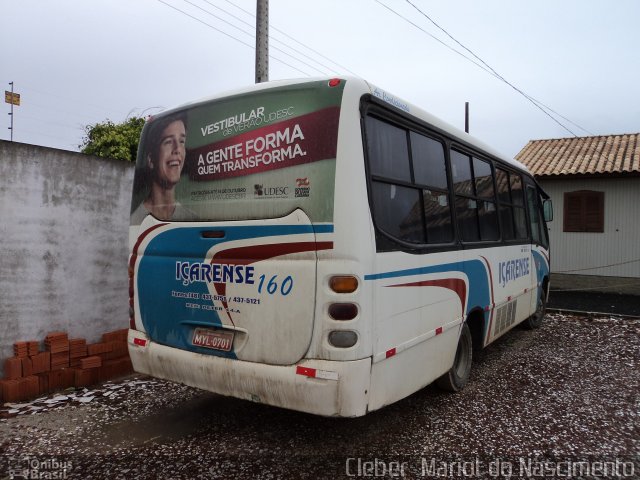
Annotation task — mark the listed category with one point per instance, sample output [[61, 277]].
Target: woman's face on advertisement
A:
[[171, 153]]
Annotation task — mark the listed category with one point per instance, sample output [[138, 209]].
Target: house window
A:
[[583, 211]]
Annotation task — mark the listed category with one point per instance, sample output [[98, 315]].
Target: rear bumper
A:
[[342, 390]]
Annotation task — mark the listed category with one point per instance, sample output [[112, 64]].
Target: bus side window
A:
[[488, 215], [475, 198], [539, 232], [511, 198], [397, 204], [388, 150], [430, 172], [409, 186], [543, 225], [397, 211], [534, 214]]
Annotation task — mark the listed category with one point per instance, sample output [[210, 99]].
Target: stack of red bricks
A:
[[64, 363], [57, 344], [77, 351]]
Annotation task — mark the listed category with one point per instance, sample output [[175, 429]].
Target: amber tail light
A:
[[343, 283]]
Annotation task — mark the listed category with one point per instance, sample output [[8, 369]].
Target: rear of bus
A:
[[237, 285]]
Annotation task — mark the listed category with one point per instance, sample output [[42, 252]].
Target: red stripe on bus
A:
[[142, 236], [456, 284], [257, 253]]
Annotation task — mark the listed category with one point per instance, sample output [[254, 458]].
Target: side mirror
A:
[[547, 208]]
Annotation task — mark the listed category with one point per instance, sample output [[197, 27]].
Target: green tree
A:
[[113, 140]]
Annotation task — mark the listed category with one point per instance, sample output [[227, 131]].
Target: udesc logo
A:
[[302, 189], [261, 191]]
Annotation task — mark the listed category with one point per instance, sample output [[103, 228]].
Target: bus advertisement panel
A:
[[278, 147]]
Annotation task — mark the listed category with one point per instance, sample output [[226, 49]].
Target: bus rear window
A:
[[247, 157]]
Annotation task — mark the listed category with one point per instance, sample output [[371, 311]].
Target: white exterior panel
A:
[[616, 251]]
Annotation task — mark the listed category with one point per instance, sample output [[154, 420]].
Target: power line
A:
[[75, 100], [598, 267], [67, 99], [248, 33], [35, 107], [585, 289], [528, 97], [297, 41], [482, 65], [435, 38], [205, 23], [272, 38], [56, 123], [57, 137], [535, 102], [219, 18], [230, 36]]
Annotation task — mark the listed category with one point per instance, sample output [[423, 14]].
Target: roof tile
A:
[[580, 155]]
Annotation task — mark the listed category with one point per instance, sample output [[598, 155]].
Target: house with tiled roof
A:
[[594, 183]]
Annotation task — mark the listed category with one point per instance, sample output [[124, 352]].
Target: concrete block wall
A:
[[64, 244]]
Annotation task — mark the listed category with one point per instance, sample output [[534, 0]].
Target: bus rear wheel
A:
[[535, 320], [458, 375]]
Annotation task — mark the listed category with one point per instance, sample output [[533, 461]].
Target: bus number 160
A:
[[272, 285]]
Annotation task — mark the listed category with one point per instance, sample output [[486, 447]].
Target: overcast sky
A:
[[78, 62]]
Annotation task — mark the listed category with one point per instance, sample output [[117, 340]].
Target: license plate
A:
[[214, 339]]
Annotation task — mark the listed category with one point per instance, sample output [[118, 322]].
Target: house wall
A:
[[64, 249], [615, 253]]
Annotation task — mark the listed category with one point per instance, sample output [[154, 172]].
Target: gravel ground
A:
[[538, 402]]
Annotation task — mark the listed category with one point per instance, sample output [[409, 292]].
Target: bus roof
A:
[[367, 88]]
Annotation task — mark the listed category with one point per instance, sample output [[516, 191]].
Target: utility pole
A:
[[466, 117], [262, 41], [12, 99]]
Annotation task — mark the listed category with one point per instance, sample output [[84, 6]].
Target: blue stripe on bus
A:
[[542, 268], [156, 279], [478, 289], [193, 238]]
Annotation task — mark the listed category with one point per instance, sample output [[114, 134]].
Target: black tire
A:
[[458, 375], [535, 320]]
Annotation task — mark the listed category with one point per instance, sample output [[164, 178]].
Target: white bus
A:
[[324, 246]]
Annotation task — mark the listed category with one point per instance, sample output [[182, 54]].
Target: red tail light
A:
[[343, 311]]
